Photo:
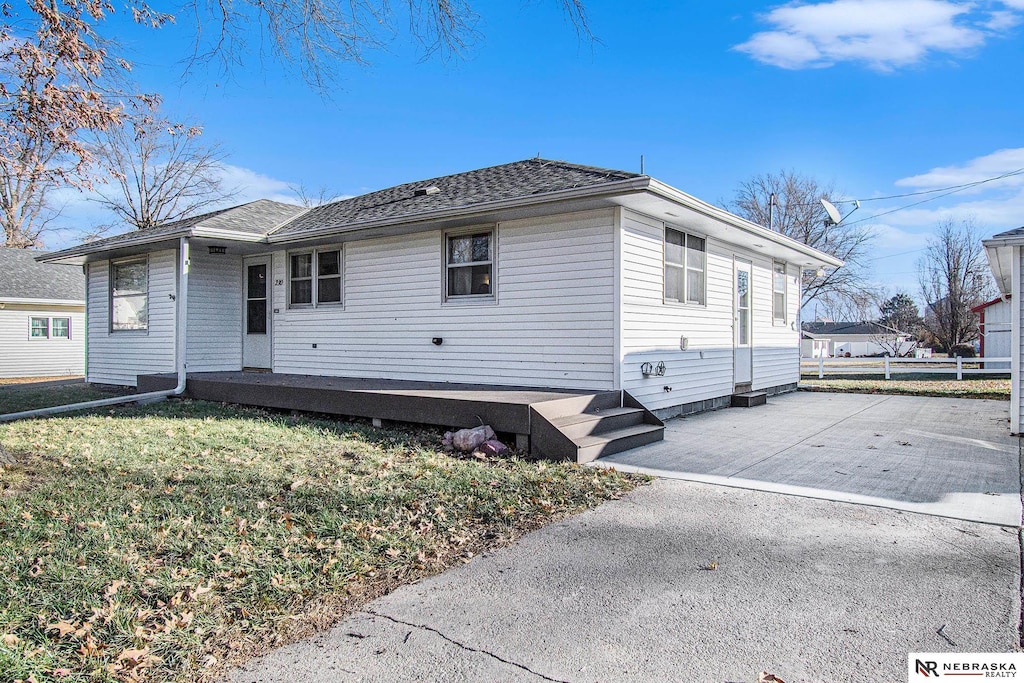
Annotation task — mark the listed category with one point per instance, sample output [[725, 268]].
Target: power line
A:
[[975, 183]]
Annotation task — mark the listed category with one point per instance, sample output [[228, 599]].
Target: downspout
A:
[[149, 396]]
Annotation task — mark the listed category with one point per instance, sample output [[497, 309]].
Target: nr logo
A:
[[927, 668]]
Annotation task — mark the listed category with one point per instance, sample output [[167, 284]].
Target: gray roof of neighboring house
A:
[[518, 179], [255, 218], [22, 277], [830, 329], [1016, 232]]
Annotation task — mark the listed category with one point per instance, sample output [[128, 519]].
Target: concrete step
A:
[[593, 447], [598, 422], [749, 399]]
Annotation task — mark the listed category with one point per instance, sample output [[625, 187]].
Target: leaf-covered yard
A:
[[169, 541]]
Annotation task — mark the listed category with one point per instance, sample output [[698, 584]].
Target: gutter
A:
[[149, 396]]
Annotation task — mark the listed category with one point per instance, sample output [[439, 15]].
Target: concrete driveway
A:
[[940, 456], [811, 590]]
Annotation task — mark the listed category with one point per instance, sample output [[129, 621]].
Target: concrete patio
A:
[[941, 456]]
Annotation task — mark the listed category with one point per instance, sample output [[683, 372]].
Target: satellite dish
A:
[[832, 211]]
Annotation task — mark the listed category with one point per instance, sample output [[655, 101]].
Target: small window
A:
[[779, 292], [685, 267], [60, 328], [129, 295], [323, 288], [470, 265], [39, 328]]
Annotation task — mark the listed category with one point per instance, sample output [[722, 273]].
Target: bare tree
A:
[[161, 172], [62, 79], [954, 277], [308, 197], [798, 213]]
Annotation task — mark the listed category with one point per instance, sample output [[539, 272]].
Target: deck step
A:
[[606, 420], [618, 440], [749, 399]]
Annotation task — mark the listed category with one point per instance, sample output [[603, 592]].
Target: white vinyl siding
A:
[[1017, 316], [652, 329], [776, 346], [117, 357], [551, 323], [214, 312], [24, 356]]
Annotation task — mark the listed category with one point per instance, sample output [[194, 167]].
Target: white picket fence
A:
[[961, 367]]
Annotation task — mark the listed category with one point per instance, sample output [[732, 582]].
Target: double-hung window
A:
[[469, 265], [685, 267], [129, 295], [314, 278], [39, 328], [779, 292]]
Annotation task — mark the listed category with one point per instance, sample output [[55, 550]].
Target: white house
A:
[[994, 326], [834, 339], [531, 274], [1004, 258], [42, 317]]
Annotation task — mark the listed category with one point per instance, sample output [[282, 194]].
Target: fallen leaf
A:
[[10, 639], [765, 677], [63, 627]]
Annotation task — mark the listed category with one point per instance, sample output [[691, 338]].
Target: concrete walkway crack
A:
[[468, 648], [809, 437]]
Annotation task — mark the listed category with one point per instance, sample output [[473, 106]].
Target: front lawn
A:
[[998, 389], [15, 398], [168, 541]]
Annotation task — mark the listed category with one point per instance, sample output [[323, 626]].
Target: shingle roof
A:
[[518, 179], [1016, 232], [835, 328], [21, 277], [258, 218]]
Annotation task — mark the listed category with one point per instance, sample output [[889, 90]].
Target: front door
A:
[[742, 349], [256, 348]]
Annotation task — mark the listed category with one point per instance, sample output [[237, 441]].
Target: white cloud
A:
[[980, 168], [883, 34], [889, 237]]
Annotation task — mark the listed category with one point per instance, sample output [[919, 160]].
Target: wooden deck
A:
[[505, 409]]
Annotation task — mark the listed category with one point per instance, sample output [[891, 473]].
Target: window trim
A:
[[684, 267], [314, 277], [32, 319], [492, 297], [110, 294], [776, 320], [52, 328]]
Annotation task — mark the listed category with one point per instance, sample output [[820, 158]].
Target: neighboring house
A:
[[994, 326], [42, 316], [1004, 258], [834, 339], [531, 274]]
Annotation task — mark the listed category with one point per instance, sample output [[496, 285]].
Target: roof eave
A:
[[694, 204], [627, 186], [39, 301], [84, 250]]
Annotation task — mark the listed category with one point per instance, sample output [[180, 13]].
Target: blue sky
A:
[[881, 97]]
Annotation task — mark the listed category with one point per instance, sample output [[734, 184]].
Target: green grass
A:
[[15, 398], [998, 389], [169, 541]]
